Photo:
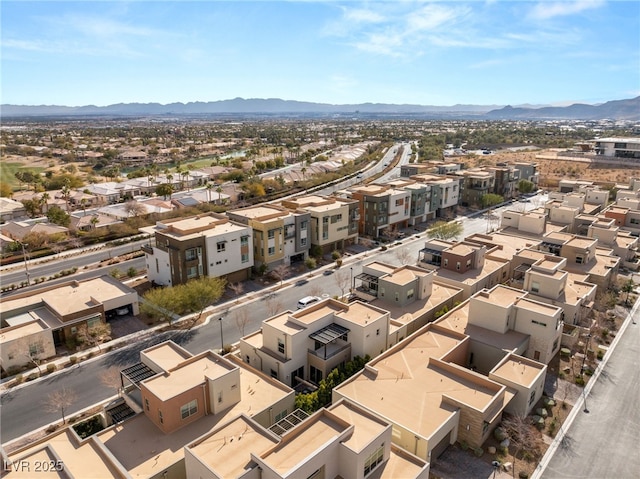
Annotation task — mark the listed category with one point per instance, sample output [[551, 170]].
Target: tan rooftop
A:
[[382, 268], [312, 313], [405, 275], [226, 451], [81, 461], [72, 297], [22, 330], [167, 355], [400, 464], [139, 446], [472, 276], [284, 324], [262, 213], [367, 426], [187, 375], [303, 441], [500, 295], [407, 384], [361, 313], [461, 249], [519, 370]]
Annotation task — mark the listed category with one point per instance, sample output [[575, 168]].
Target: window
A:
[[373, 460], [397, 296], [280, 346], [189, 409], [468, 263], [579, 259], [272, 250], [303, 241], [245, 257], [410, 294], [555, 345], [35, 348], [303, 225], [244, 240], [336, 218], [281, 415], [160, 418], [222, 246], [399, 202], [274, 374], [271, 234], [532, 397], [535, 287], [219, 397], [146, 403], [191, 254], [539, 323], [446, 262], [192, 272], [458, 265]]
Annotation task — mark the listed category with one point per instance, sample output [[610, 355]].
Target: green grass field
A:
[[8, 170]]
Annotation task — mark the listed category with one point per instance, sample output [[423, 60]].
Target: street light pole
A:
[[351, 290], [26, 264], [221, 336]]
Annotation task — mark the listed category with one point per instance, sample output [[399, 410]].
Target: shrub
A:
[[51, 428], [600, 354], [51, 367], [311, 263], [464, 445], [73, 360], [18, 379], [478, 451], [335, 255], [579, 380]]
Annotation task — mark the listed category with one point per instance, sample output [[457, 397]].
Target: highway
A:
[[21, 409]]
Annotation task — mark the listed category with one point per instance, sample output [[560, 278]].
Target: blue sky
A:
[[418, 52]]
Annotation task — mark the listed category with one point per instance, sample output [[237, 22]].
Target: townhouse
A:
[[334, 221], [308, 344], [445, 195], [280, 236], [204, 245]]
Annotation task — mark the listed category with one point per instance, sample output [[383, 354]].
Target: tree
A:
[[165, 190], [133, 208], [58, 216], [628, 287], [280, 272], [445, 230], [525, 186], [241, 317], [200, 293], [5, 190], [403, 255], [112, 379], [34, 352], [95, 219], [522, 435], [94, 335], [237, 289], [490, 200], [161, 304], [60, 400], [342, 279], [273, 305], [65, 191]]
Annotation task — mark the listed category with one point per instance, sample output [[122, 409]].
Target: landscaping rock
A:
[[505, 443], [507, 466], [491, 450], [499, 434]]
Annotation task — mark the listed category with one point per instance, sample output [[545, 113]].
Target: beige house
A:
[[53, 314], [308, 344]]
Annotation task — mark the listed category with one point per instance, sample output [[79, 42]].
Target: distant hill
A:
[[623, 109], [614, 110]]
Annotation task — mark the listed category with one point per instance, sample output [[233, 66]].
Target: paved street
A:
[[17, 406], [603, 443]]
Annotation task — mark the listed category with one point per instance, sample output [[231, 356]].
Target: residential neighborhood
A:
[[457, 333]]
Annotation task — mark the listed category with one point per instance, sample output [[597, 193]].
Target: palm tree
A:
[[94, 221], [628, 287], [219, 190], [209, 188], [66, 194], [42, 202]]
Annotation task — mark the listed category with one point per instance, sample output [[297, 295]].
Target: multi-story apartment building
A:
[[280, 236], [445, 192], [310, 343], [382, 208], [421, 196], [334, 221], [506, 180], [622, 243], [204, 245], [618, 147], [528, 171], [627, 219], [476, 183]]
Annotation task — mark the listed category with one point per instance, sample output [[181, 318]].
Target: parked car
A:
[[307, 300]]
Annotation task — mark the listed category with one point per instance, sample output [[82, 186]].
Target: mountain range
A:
[[615, 110]]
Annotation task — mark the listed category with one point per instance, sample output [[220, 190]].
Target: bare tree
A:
[[403, 255], [342, 280], [60, 400], [237, 289], [523, 436], [133, 208], [94, 335], [273, 305], [241, 317], [33, 352], [280, 272], [366, 243], [316, 290], [111, 378]]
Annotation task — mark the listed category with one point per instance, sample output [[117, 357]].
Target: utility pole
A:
[[26, 264]]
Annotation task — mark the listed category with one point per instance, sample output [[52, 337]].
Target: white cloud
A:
[[546, 10]]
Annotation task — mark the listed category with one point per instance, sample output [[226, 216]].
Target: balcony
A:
[[329, 350], [148, 249]]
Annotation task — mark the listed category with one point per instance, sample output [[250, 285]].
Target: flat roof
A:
[[233, 441], [471, 276], [188, 375], [21, 330], [519, 370], [302, 442], [85, 460], [144, 451], [284, 324], [72, 297], [400, 464], [361, 313], [312, 313], [261, 213], [407, 384], [167, 355], [501, 295], [367, 427], [405, 275]]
